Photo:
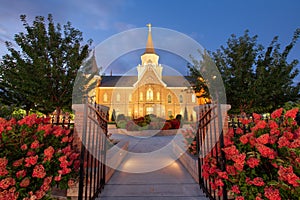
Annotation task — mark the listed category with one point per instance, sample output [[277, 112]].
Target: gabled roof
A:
[[118, 81], [129, 81]]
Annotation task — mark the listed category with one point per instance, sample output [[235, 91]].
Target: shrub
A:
[[34, 157], [263, 163]]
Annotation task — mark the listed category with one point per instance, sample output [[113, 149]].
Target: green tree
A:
[[275, 75], [185, 114], [206, 80], [113, 115], [41, 72], [257, 79]]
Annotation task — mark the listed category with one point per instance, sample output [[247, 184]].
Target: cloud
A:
[[122, 26]]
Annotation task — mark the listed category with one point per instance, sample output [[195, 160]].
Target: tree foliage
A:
[[41, 72], [206, 80], [257, 79]]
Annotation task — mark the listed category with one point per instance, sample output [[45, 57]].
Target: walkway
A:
[[171, 182]]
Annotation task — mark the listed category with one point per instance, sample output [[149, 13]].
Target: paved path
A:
[[169, 181]]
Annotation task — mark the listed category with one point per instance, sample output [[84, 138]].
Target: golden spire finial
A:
[[149, 27], [149, 45]]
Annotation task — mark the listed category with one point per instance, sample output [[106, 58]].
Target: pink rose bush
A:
[[261, 163], [35, 156]]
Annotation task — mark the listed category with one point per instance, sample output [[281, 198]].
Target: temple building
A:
[[149, 92]]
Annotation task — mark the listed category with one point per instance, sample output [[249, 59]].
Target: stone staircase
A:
[[172, 182], [169, 182]]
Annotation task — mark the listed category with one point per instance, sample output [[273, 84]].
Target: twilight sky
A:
[[209, 22]]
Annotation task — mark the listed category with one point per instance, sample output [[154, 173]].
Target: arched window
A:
[[169, 99], [193, 98], [130, 98], [157, 96], [149, 94], [105, 97], [141, 96], [118, 97], [180, 99]]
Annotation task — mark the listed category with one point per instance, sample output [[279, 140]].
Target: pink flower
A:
[[32, 160], [48, 153], [5, 183], [40, 194], [25, 182], [21, 173], [239, 160], [272, 124], [3, 162], [28, 120], [265, 151], [39, 171], [230, 151], [259, 125], [3, 171], [65, 139], [57, 178], [287, 174], [239, 131], [277, 113], [253, 162], [271, 193], [231, 170], [24, 147], [288, 135], [283, 142], [223, 175], [263, 139], [244, 139], [35, 144], [258, 181], [291, 113], [46, 128], [256, 116], [274, 131], [18, 163], [295, 143], [219, 182], [235, 189]]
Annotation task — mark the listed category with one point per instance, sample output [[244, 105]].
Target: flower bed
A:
[[149, 122], [262, 163], [35, 156]]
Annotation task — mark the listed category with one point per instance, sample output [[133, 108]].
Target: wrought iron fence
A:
[[210, 140], [93, 151]]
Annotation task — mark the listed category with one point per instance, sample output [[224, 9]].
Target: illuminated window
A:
[[105, 97], [141, 96], [130, 98], [170, 114], [157, 96], [180, 99], [169, 99], [193, 98], [149, 95], [118, 97]]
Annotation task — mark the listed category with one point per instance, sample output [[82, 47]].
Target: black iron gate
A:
[[209, 141], [93, 151]]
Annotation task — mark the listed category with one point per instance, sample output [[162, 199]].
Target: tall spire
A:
[[149, 45]]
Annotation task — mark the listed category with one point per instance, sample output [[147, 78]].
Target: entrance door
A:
[[149, 110]]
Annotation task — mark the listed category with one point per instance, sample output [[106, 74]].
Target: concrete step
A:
[[138, 190], [139, 178]]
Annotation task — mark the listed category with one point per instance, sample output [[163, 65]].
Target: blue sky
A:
[[210, 23]]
